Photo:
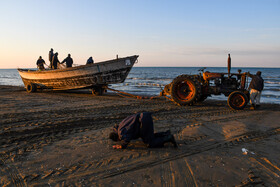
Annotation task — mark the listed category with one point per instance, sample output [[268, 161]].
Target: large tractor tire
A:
[[237, 100], [185, 90], [31, 87]]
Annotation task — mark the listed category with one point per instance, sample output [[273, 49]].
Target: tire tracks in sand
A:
[[28, 131], [111, 167]]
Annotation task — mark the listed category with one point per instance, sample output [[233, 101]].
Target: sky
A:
[[164, 33]]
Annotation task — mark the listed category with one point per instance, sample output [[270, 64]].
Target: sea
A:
[[150, 81]]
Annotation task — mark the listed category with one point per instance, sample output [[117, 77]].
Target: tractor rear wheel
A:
[[237, 100], [185, 90]]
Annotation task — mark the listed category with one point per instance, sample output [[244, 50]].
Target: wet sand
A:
[[61, 139]]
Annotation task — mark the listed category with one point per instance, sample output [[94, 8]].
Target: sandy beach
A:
[[61, 139]]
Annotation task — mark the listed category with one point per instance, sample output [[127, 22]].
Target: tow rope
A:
[[128, 95]]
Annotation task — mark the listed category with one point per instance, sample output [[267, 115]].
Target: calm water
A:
[[150, 80]]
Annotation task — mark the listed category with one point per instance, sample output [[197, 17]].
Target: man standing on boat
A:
[[140, 125], [55, 61], [68, 60], [40, 64], [90, 61], [51, 57]]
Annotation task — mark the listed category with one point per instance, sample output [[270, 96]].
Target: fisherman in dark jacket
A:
[[136, 126], [55, 61], [256, 87], [40, 64], [51, 57], [90, 61], [68, 60]]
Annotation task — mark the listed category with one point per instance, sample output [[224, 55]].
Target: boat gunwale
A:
[[80, 67]]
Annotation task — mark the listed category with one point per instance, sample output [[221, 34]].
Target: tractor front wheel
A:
[[237, 100]]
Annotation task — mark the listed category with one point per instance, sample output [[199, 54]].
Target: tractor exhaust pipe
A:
[[229, 64]]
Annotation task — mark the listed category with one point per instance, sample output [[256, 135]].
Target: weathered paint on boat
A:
[[84, 76]]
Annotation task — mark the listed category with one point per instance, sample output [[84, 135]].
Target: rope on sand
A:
[[128, 95], [146, 84]]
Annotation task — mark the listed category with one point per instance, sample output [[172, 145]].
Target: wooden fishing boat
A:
[[94, 76]]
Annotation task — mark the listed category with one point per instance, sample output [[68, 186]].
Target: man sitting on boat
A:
[[55, 61], [90, 61], [40, 63], [68, 60]]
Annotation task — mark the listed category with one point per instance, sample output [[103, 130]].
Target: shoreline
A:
[[61, 138], [87, 91]]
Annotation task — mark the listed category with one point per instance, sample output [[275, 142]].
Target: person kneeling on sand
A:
[[140, 125]]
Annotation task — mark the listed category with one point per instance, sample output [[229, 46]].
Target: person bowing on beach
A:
[[40, 63], [140, 125], [55, 61], [68, 60]]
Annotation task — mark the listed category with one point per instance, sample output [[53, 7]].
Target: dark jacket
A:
[[90, 61], [257, 82], [69, 62], [40, 62], [50, 56], [54, 61], [134, 127]]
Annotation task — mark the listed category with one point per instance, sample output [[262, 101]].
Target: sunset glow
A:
[[163, 33]]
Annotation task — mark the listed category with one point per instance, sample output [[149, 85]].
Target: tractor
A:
[[190, 89]]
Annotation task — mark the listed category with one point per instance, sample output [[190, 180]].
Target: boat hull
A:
[[85, 76]]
